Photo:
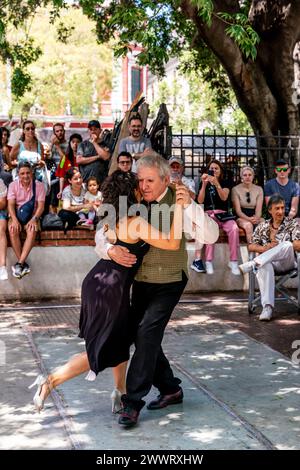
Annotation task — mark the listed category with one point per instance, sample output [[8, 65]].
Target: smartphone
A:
[[175, 177], [211, 172]]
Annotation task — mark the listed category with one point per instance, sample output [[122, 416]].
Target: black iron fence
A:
[[235, 151]]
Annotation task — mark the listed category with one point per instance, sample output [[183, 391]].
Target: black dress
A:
[[104, 317]]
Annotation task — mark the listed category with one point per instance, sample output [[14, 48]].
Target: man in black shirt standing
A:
[[93, 155]]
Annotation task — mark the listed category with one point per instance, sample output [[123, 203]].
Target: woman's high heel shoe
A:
[[116, 403], [37, 400]]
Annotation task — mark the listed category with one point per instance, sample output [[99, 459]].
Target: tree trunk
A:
[[264, 87]]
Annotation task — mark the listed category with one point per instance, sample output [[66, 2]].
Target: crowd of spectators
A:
[[63, 178]]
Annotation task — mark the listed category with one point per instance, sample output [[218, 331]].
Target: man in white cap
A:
[[177, 176]]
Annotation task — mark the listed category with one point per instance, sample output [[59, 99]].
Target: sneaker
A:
[[209, 267], [247, 267], [233, 265], [3, 273], [198, 266], [87, 225], [266, 314], [17, 270], [26, 269], [81, 222]]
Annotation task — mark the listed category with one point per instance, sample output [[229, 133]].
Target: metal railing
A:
[[235, 151]]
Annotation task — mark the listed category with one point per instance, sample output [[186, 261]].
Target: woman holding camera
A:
[[214, 193], [247, 199]]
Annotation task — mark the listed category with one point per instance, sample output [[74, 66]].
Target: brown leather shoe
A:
[[128, 416], [165, 400]]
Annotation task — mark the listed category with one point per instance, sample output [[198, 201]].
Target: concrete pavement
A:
[[239, 393]]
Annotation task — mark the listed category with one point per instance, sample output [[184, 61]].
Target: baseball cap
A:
[[281, 162], [94, 123], [176, 160]]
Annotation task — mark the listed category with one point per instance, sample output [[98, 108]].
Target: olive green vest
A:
[[163, 266]]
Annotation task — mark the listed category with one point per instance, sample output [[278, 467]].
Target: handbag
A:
[[222, 216], [225, 216], [24, 212], [52, 222]]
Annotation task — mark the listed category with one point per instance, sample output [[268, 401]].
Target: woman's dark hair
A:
[[69, 151], [4, 129], [28, 121], [70, 173], [119, 183], [219, 165]]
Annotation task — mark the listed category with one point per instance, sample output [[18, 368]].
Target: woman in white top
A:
[[247, 199], [73, 199], [29, 149]]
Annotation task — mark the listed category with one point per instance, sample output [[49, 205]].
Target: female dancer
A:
[[104, 318]]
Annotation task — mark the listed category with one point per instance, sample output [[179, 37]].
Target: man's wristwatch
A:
[[35, 218]]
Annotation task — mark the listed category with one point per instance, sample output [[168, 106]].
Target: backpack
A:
[[52, 222]]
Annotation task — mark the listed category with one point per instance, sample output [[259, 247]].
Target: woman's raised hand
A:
[[183, 197]]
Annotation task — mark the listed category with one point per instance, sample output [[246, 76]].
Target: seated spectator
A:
[[67, 161], [177, 175], [3, 227], [214, 194], [275, 240], [5, 174], [124, 160], [29, 149], [93, 154], [73, 199], [93, 196], [5, 139], [287, 188], [20, 191], [247, 200]]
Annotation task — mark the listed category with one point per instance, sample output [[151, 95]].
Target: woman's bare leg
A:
[[247, 227], [77, 365], [119, 373]]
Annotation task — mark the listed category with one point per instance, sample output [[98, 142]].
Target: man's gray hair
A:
[[276, 198], [155, 161]]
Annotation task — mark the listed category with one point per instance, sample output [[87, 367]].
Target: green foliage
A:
[[20, 82], [68, 71], [192, 105], [243, 34], [206, 8], [159, 26]]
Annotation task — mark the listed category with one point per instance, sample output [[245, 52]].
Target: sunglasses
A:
[[281, 169], [248, 199], [127, 162], [29, 129]]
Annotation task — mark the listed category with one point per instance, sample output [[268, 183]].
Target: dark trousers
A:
[[68, 216], [152, 306]]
